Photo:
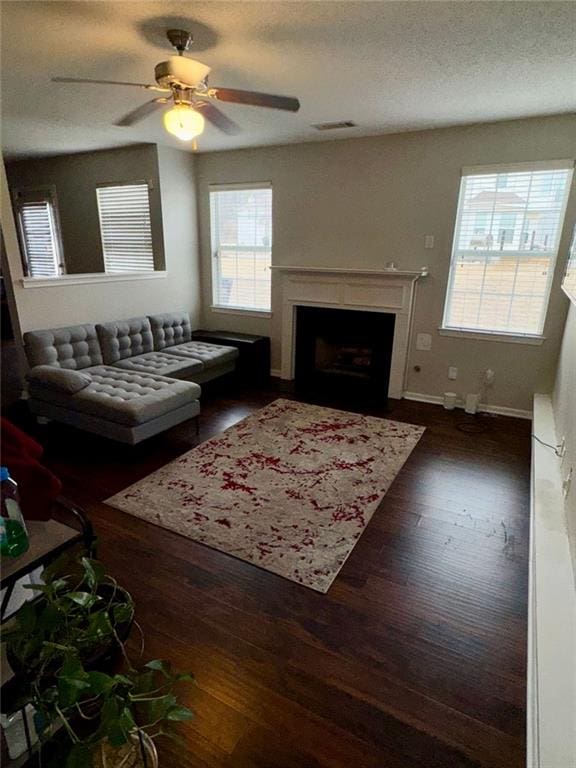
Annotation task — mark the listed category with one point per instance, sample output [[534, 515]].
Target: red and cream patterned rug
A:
[[290, 488]]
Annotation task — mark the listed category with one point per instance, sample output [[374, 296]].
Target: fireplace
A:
[[377, 293], [344, 350]]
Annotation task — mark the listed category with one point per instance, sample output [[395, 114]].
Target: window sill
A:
[[489, 336], [96, 277], [240, 311]]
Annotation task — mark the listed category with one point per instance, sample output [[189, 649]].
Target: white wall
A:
[[564, 403], [365, 202], [60, 305]]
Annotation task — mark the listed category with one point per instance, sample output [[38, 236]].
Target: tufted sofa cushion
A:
[[210, 354], [122, 339], [127, 397], [170, 328], [162, 364], [74, 347]]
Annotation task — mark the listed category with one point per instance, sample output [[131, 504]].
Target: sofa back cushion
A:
[[125, 338], [170, 328], [74, 347]]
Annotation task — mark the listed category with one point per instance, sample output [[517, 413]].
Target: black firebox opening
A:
[[343, 349]]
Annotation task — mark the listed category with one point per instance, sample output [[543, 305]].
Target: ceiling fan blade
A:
[[140, 112], [255, 99], [217, 118], [108, 82]]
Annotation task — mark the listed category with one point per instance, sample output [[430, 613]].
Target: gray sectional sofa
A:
[[126, 380]]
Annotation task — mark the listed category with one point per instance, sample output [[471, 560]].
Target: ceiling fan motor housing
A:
[[180, 71]]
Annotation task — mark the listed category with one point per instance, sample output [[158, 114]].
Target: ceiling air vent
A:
[[334, 126]]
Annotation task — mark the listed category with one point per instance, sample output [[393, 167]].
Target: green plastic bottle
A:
[[13, 533]]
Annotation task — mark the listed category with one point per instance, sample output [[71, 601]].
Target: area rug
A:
[[290, 488]]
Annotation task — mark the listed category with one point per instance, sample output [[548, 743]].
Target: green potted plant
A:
[[112, 720], [79, 609], [67, 650]]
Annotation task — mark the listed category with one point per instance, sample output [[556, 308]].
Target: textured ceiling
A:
[[389, 66]]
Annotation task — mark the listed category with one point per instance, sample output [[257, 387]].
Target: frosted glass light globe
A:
[[183, 122]]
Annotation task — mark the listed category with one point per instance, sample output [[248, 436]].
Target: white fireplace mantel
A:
[[385, 290], [414, 274]]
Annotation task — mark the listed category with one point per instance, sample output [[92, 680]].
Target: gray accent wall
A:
[[61, 304], [368, 201], [75, 178]]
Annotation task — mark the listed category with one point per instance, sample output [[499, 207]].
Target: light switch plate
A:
[[424, 342], [428, 241]]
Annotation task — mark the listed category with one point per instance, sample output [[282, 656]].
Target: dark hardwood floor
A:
[[416, 656]]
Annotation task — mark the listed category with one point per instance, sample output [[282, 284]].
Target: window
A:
[[506, 238], [569, 282], [39, 232], [125, 228], [241, 225]]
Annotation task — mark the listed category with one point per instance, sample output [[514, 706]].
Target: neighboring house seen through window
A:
[[125, 227], [241, 227], [506, 240], [37, 215]]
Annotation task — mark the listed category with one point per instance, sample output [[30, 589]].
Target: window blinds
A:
[[241, 223], [125, 228], [506, 239], [39, 234]]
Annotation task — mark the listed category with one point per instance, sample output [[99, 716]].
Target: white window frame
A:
[[46, 194], [500, 335], [215, 271], [116, 184]]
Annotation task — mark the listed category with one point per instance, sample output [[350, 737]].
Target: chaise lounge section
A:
[[127, 379]]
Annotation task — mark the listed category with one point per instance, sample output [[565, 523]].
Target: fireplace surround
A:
[[388, 291]]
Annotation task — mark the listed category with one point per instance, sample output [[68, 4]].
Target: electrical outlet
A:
[[428, 241], [567, 483], [562, 447], [489, 376], [452, 373], [424, 342]]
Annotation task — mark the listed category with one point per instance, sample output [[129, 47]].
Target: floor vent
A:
[[334, 126]]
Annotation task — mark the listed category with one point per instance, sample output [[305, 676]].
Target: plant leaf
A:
[[179, 713], [27, 618], [72, 668], [123, 680], [100, 682], [79, 756], [116, 735], [122, 613], [49, 618], [94, 572], [85, 599], [181, 676], [70, 690], [159, 665], [99, 626]]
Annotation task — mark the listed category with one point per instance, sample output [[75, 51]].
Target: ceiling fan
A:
[[185, 83]]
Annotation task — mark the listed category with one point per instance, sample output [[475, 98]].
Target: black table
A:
[[253, 365]]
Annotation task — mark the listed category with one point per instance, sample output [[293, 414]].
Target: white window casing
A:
[[241, 236], [508, 228]]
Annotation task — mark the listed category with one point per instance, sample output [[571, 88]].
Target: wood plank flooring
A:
[[414, 659]]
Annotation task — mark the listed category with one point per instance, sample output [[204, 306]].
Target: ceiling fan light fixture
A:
[[183, 122]]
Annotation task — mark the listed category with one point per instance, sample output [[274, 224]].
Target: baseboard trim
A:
[[496, 410], [276, 373]]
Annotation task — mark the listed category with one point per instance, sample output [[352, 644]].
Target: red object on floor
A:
[[37, 486]]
